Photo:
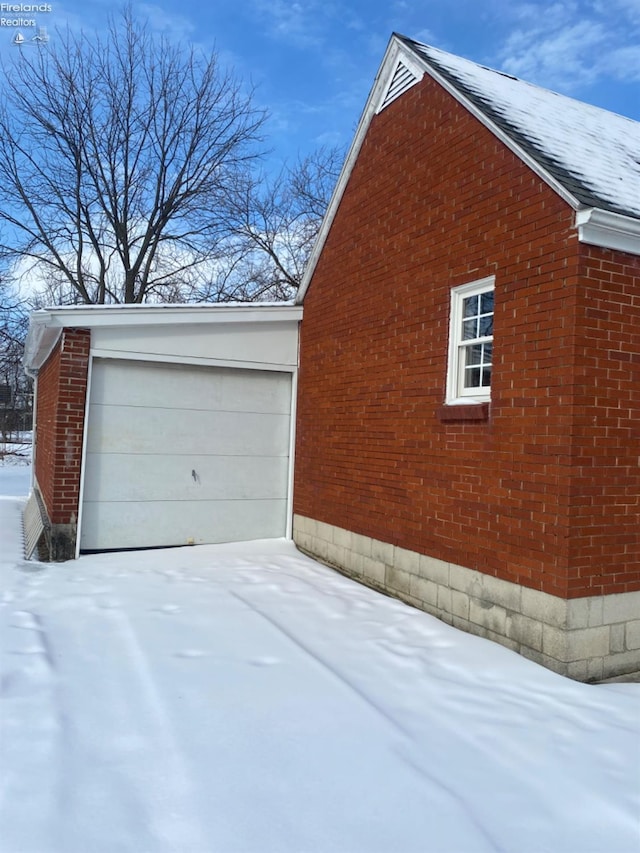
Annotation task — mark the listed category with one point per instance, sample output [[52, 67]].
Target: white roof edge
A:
[[394, 50], [156, 312], [90, 316], [46, 324], [526, 158], [608, 230]]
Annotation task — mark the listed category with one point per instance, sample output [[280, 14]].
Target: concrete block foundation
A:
[[587, 638]]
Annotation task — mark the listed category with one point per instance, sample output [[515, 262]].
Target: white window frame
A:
[[457, 394]]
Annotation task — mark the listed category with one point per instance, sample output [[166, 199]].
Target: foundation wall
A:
[[587, 638]]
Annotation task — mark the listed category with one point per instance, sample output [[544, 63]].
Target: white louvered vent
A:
[[401, 80], [34, 523]]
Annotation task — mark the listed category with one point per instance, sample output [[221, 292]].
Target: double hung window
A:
[[471, 342]]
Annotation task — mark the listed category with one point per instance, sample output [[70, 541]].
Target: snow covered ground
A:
[[15, 471], [245, 698]]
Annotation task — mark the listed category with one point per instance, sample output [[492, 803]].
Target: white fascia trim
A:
[[503, 137], [46, 324], [395, 50], [92, 316], [609, 230], [595, 226]]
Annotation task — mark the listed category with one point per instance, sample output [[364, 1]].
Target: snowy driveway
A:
[[245, 698]]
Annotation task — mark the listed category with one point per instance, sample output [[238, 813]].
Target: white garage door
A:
[[179, 455]]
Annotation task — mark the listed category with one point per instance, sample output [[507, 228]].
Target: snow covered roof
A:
[[588, 155], [593, 153]]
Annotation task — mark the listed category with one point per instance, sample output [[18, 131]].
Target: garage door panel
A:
[[147, 430], [145, 384], [166, 523], [186, 478]]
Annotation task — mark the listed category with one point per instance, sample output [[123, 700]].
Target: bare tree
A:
[[118, 155], [274, 225], [15, 386]]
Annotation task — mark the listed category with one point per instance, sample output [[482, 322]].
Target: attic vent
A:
[[401, 80]]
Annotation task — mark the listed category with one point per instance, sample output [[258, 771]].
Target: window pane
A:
[[469, 329], [470, 306], [488, 353], [472, 377], [474, 355], [486, 326], [486, 376], [486, 303]]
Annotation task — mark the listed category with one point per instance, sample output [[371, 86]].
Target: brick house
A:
[[485, 472], [468, 379]]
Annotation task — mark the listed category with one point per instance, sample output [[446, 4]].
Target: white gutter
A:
[[608, 230]]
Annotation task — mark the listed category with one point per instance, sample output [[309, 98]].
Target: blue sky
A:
[[314, 61]]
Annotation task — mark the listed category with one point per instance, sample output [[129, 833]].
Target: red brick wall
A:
[[435, 201], [605, 486], [46, 430], [62, 387]]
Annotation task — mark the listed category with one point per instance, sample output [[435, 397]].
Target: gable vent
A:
[[401, 80]]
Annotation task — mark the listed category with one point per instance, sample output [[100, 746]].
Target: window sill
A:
[[463, 412]]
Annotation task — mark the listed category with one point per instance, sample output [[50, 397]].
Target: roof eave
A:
[[46, 325], [608, 230], [596, 226]]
